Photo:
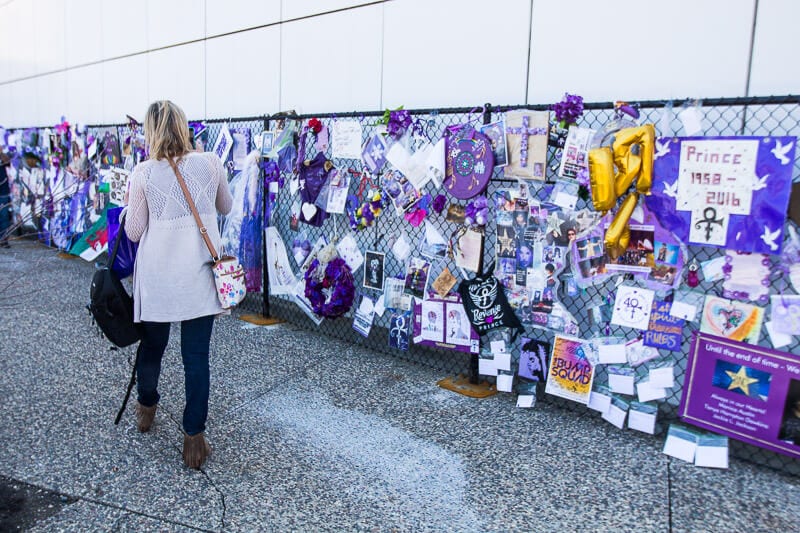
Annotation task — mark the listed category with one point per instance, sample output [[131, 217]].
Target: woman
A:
[[172, 280]]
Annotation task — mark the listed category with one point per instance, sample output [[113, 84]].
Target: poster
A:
[[730, 192], [281, 277], [665, 331], [443, 323], [571, 374], [533, 359], [575, 155], [750, 393]]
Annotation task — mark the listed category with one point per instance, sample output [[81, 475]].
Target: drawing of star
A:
[[740, 380], [554, 224]]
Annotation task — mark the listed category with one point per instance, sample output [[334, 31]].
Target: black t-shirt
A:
[[5, 186]]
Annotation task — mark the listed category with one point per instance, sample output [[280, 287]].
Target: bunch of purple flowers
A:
[[568, 110]]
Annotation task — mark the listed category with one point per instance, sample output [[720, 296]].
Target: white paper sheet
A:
[[615, 416], [503, 361], [401, 248], [346, 139], [683, 310], [525, 400], [712, 452], [505, 382], [613, 354], [663, 377], [680, 444], [349, 251], [640, 421], [487, 367], [620, 383], [648, 392], [599, 402], [497, 346], [779, 340]]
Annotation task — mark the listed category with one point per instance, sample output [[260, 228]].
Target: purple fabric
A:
[[312, 178], [126, 254]]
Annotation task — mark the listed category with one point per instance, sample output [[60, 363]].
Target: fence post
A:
[[264, 253]]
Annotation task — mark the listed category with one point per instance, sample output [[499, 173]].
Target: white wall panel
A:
[[5, 110], [19, 45], [233, 15], [178, 74], [174, 21], [84, 38], [85, 94], [51, 94], [125, 89], [336, 70], [124, 28], [620, 50], [777, 39], [5, 48], [242, 74], [426, 65], [50, 39], [24, 103], [292, 9]]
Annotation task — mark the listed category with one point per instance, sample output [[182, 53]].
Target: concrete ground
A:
[[313, 434]]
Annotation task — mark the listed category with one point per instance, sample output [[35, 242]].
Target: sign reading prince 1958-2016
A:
[[750, 393], [724, 191]]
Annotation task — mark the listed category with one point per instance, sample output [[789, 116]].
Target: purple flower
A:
[[439, 203], [569, 110], [477, 211]]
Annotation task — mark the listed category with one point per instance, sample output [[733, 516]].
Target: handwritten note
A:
[[346, 141]]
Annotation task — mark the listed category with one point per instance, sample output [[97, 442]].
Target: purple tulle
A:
[[337, 277]]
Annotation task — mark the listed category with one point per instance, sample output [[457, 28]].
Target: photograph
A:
[[417, 277], [373, 270], [267, 142], [496, 131], [667, 253], [741, 379], [790, 423]]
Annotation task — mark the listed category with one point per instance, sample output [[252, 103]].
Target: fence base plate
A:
[[461, 385], [261, 320]]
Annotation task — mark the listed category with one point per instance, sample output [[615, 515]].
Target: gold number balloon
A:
[[611, 173]]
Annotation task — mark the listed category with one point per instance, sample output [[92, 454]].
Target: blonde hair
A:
[[166, 130]]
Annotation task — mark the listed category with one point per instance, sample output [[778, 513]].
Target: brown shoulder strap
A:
[[185, 189]]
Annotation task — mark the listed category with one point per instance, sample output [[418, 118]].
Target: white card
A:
[[503, 361], [401, 248], [691, 121], [647, 392], [712, 452], [680, 444], [615, 415], [487, 367], [683, 310], [349, 251], [505, 382], [778, 339], [612, 354], [641, 421], [712, 269], [620, 383], [346, 139], [525, 400], [663, 377], [632, 307], [497, 346], [379, 307], [599, 402]]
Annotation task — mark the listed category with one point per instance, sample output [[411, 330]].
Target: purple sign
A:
[[747, 392], [664, 331], [731, 192], [469, 163]]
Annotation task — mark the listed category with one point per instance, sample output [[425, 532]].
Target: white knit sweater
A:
[[172, 278]]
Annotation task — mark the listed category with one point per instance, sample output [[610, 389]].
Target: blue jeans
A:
[[5, 216], [195, 340]]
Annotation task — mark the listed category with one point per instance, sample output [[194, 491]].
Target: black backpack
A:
[[111, 305]]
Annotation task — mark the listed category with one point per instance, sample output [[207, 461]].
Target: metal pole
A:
[[264, 252]]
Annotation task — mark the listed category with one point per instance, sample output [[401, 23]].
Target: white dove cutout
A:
[[760, 183], [661, 148], [769, 238], [780, 151], [671, 189]]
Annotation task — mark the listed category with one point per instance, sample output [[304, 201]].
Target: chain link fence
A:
[[736, 116]]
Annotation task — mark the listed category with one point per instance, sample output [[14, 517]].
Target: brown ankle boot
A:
[[195, 450], [145, 416]]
